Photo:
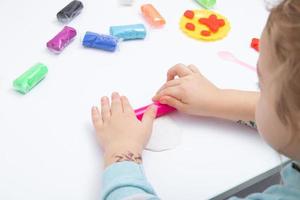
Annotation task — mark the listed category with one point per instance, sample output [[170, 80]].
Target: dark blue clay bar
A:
[[100, 41], [70, 11]]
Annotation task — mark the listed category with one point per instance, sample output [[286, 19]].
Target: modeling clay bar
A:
[[162, 109], [61, 40], [30, 78], [152, 15], [128, 32], [207, 3], [100, 41], [126, 2], [70, 11]]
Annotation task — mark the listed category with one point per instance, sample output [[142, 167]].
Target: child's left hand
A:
[[120, 133]]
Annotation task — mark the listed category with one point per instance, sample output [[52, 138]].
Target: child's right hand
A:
[[191, 93]]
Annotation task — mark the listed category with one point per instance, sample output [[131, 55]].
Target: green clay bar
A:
[[208, 4], [30, 78]]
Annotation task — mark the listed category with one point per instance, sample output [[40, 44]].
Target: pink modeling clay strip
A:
[[162, 109]]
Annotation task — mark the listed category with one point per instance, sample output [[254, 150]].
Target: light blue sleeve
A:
[[289, 190], [126, 180]]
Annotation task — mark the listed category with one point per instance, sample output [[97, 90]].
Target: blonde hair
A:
[[285, 45]]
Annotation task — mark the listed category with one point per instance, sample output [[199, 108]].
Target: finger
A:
[[171, 101], [105, 109], [170, 91], [96, 117], [116, 105], [193, 68], [170, 83], [126, 105], [149, 117], [178, 70]]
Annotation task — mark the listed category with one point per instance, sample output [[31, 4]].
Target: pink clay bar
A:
[[62, 39], [162, 109]]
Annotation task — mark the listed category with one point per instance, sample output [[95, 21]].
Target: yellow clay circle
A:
[[220, 34]]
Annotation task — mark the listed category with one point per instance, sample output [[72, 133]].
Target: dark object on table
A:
[[296, 167], [70, 11]]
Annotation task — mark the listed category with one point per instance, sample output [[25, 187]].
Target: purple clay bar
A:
[[61, 40]]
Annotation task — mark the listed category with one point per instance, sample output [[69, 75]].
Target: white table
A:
[[47, 144]]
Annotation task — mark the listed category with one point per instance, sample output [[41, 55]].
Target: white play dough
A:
[[126, 2], [165, 135]]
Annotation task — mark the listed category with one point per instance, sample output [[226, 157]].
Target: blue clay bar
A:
[[129, 32], [100, 41]]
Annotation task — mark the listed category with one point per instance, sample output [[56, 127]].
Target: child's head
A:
[[278, 110]]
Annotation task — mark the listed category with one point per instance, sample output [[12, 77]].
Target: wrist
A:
[[213, 106], [122, 156], [123, 153], [221, 102], [235, 105]]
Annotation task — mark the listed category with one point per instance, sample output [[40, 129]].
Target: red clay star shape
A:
[[212, 22]]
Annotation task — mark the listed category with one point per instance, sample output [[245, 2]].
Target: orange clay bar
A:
[[152, 15]]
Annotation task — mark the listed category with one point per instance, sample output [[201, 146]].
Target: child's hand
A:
[[121, 135], [191, 93]]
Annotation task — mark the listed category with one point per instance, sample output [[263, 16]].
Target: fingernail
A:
[[94, 109], [104, 99]]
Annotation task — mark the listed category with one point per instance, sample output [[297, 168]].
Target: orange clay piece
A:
[[152, 15]]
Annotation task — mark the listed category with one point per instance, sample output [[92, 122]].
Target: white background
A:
[[47, 144]]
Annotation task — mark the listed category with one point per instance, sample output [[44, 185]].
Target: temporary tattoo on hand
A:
[[128, 156], [250, 124]]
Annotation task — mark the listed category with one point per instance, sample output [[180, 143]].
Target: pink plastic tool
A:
[[225, 55], [162, 109]]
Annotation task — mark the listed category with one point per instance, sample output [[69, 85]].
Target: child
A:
[[276, 111]]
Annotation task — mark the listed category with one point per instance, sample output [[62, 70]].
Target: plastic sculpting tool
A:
[[162, 109], [225, 55]]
